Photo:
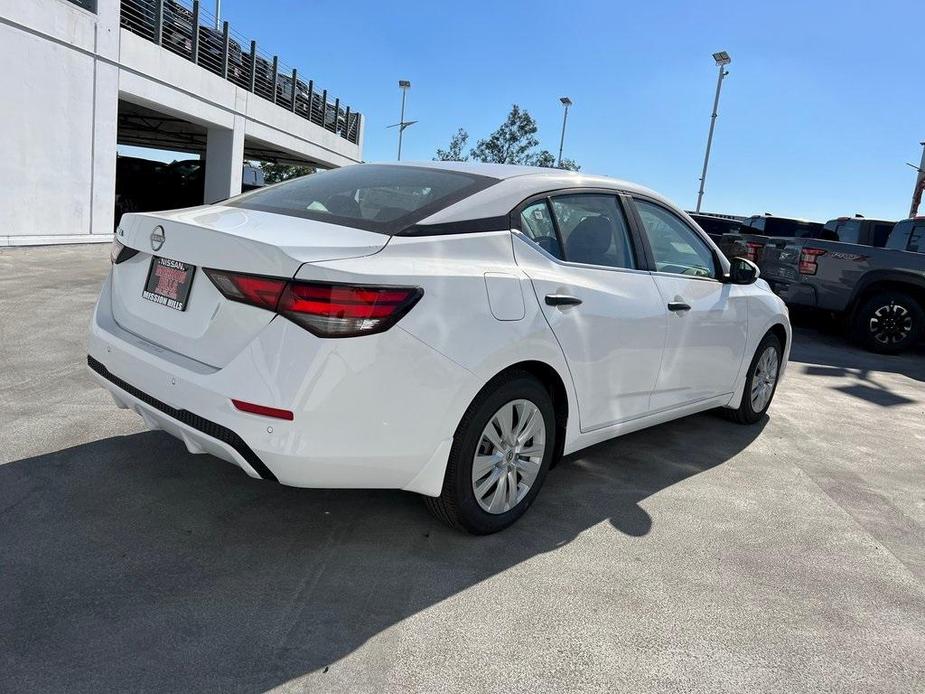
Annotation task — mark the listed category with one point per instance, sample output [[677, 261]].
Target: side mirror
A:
[[742, 271]]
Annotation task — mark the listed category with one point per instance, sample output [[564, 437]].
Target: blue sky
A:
[[824, 103]]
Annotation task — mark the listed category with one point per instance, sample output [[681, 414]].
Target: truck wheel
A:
[[889, 322]]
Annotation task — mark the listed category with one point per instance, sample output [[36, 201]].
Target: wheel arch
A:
[[907, 282], [780, 332], [554, 384]]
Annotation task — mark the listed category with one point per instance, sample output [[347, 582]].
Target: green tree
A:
[[274, 173], [455, 151], [514, 142]]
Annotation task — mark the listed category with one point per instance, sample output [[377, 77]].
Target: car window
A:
[[900, 235], [848, 232], [593, 230], [536, 222], [677, 248], [916, 239], [375, 197], [881, 234]]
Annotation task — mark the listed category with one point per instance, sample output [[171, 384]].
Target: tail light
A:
[[120, 252], [324, 309], [808, 257], [753, 251], [263, 292]]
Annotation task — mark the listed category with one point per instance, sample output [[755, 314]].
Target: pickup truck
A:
[[858, 229], [749, 242], [880, 292], [716, 226]]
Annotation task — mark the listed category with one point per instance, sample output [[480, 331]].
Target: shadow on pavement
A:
[[129, 564], [811, 347]]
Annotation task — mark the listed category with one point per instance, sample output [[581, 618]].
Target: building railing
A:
[[171, 24]]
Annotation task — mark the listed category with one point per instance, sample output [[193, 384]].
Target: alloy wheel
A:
[[509, 456], [890, 324], [764, 379]]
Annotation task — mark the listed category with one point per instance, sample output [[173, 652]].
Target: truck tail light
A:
[[753, 251], [324, 309], [808, 257]]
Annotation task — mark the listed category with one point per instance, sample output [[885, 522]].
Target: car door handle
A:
[[678, 306], [562, 300]]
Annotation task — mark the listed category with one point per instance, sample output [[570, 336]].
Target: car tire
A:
[[522, 398], [888, 322], [761, 383]]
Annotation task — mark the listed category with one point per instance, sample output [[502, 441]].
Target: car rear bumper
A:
[[374, 412]]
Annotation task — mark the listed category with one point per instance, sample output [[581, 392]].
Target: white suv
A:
[[447, 329]]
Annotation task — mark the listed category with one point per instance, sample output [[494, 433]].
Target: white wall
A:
[[48, 121], [64, 71]]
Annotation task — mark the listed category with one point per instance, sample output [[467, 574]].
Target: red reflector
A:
[[262, 410], [263, 292]]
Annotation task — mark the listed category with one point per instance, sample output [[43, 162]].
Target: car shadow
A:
[[836, 353], [129, 564]]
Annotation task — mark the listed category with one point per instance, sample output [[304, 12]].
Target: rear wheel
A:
[[501, 453], [889, 322], [761, 382]]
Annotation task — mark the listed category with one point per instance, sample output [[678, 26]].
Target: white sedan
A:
[[446, 329]]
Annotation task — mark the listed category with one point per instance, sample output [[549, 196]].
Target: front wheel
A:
[[761, 382], [501, 452], [889, 322]]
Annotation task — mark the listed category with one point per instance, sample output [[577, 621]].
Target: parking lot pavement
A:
[[697, 556]]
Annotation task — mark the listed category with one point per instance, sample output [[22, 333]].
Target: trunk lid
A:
[[212, 329]]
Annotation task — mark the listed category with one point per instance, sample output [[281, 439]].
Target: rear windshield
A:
[[847, 231], [899, 237], [778, 226], [375, 197]]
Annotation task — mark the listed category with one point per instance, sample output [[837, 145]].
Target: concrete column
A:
[[103, 157], [224, 161]]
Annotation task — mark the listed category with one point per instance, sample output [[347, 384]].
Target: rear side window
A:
[[536, 222], [374, 197], [593, 230]]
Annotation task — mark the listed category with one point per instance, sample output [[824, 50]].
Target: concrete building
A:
[[81, 76]]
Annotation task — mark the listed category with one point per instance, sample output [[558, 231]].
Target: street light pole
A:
[[218, 14], [919, 184], [404, 85], [565, 102], [722, 60]]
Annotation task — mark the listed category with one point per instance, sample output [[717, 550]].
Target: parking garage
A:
[[128, 77]]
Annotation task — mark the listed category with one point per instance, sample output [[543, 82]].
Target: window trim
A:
[[638, 251], [720, 268]]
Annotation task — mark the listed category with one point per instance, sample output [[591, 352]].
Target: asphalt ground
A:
[[696, 556]]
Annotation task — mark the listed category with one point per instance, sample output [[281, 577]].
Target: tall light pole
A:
[[919, 184], [404, 85], [565, 102], [218, 14], [722, 60]]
